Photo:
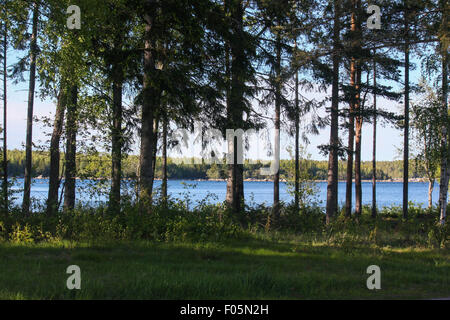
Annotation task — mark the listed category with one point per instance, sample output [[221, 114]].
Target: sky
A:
[[389, 139]]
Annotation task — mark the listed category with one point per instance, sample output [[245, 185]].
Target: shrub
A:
[[174, 221]]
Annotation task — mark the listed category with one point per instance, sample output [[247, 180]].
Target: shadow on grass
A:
[[234, 270]]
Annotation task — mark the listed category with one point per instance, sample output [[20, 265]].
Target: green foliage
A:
[[21, 234], [97, 224], [176, 223], [439, 236], [426, 136], [98, 165], [307, 187]]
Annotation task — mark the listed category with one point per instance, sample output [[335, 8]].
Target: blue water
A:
[[256, 192]]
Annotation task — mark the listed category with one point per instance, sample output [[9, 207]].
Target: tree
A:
[[275, 16], [445, 167], [117, 71], [374, 143], [174, 54], [435, 23], [361, 44], [241, 72], [426, 122], [287, 22], [31, 91], [114, 41], [3, 55], [164, 158], [445, 131], [54, 180], [71, 148], [332, 182], [297, 139], [61, 65], [358, 107], [355, 75], [406, 120], [235, 185], [150, 94]]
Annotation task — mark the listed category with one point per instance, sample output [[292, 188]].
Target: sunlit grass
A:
[[254, 269]]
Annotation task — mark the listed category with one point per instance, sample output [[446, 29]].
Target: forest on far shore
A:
[[99, 166]]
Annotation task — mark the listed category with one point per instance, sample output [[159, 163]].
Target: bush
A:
[[174, 221]]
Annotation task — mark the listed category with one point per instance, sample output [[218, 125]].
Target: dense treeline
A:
[[126, 73], [99, 166]]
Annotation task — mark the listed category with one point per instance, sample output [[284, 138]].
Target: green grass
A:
[[253, 269]]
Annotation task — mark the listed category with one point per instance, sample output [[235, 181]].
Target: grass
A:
[[251, 269]]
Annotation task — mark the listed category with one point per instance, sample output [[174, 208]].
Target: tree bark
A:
[[374, 144], [276, 180], [430, 193], [71, 149], [351, 135], [349, 179], [235, 183], [333, 164], [52, 200], [230, 149], [5, 108], [116, 135], [445, 138], [359, 113], [406, 128], [148, 109], [297, 143], [358, 143], [353, 107], [155, 144], [230, 186], [164, 160], [29, 138]]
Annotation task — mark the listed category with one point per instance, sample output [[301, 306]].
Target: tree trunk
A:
[[374, 144], [29, 138], [52, 200], [445, 157], [230, 179], [235, 184], [71, 149], [349, 179], [406, 128], [5, 107], [164, 160], [333, 164], [297, 143], [230, 187], [351, 129], [351, 135], [229, 199], [117, 139], [155, 144], [359, 113], [430, 193], [276, 180], [358, 143], [148, 109]]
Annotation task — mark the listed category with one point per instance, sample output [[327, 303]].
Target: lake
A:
[[256, 192]]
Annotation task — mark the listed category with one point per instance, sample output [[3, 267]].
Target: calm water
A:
[[388, 193]]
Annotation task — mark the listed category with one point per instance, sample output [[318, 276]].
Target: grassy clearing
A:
[[205, 253], [251, 269]]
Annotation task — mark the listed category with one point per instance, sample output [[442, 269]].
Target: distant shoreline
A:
[[247, 180]]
